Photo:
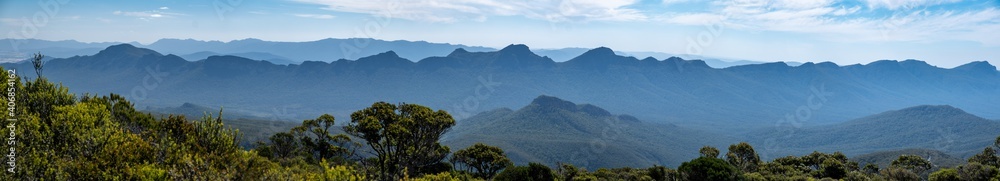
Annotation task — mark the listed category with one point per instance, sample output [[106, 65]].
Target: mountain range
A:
[[284, 53], [551, 130], [672, 90], [666, 108]]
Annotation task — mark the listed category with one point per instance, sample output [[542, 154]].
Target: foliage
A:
[[705, 168], [896, 173], [743, 157], [987, 157], [445, 176], [948, 174], [403, 137], [486, 160], [914, 163], [709, 151], [317, 140], [532, 172], [977, 171], [340, 173]]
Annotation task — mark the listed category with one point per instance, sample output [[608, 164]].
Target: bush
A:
[[705, 168], [532, 172], [947, 174], [895, 173]]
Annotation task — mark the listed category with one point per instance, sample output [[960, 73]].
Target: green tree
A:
[[658, 173], [37, 63], [914, 163], [743, 156], [315, 135], [871, 168], [977, 171], [486, 160], [947, 174], [709, 151], [282, 146], [532, 172], [987, 157], [123, 112], [833, 168], [705, 168], [896, 173], [403, 137]]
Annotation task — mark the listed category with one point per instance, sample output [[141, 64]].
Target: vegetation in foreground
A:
[[59, 136]]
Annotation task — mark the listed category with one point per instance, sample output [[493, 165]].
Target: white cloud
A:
[[456, 10], [317, 16], [164, 8], [146, 15], [666, 2], [911, 21], [693, 18], [10, 21], [104, 20], [904, 4]]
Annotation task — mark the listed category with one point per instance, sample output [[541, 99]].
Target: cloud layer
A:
[[458, 10]]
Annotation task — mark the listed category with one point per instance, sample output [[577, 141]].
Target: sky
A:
[[944, 33]]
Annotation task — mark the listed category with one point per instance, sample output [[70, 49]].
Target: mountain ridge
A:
[[649, 90], [569, 130], [938, 127]]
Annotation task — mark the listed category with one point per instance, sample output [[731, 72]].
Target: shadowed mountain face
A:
[[551, 130], [684, 92], [942, 128]]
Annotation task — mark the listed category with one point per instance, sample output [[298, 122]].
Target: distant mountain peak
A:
[[458, 51], [388, 54], [553, 102], [931, 113], [516, 49], [977, 66], [192, 105], [549, 102], [599, 52], [932, 109], [601, 57], [127, 50]]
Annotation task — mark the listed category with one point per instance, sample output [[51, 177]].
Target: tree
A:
[[871, 168], [987, 157], [532, 172], [997, 142], [914, 163], [123, 112], [947, 174], [486, 160], [658, 173], [403, 137], [37, 63], [976, 171], [833, 168], [709, 151], [705, 168], [282, 145], [743, 156], [896, 173], [315, 136]]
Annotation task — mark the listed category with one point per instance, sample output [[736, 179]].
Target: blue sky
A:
[[945, 33]]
